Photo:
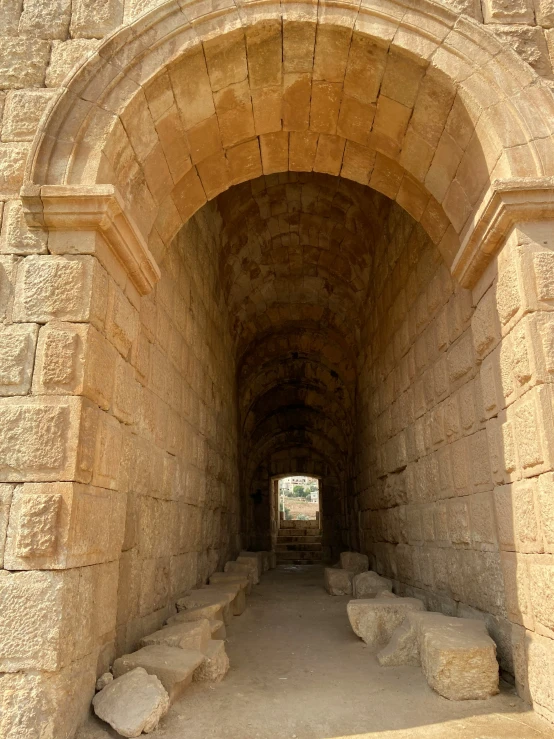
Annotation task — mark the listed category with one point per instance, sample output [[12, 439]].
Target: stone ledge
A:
[[507, 203], [93, 208]]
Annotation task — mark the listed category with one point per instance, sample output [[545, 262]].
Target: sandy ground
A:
[[299, 672], [297, 506]]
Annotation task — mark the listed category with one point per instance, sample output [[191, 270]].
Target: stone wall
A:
[[454, 452], [118, 456]]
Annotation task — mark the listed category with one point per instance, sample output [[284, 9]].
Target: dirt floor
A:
[[299, 506], [299, 672]]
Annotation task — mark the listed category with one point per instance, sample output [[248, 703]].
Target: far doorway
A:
[[299, 498]]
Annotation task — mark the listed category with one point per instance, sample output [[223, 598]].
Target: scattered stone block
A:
[[257, 556], [216, 665], [238, 603], [354, 562], [272, 560], [338, 582], [133, 703], [457, 656], [174, 667], [192, 635], [375, 619], [369, 585]]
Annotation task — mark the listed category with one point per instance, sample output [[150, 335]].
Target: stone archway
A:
[[420, 105]]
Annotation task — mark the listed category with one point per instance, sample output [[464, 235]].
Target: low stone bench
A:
[[457, 656], [375, 619], [236, 577], [370, 585], [338, 582], [207, 597], [354, 562], [174, 667], [211, 611], [193, 635], [218, 629], [238, 603], [253, 560], [238, 568], [216, 663]]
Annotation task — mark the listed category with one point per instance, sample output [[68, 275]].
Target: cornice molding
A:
[[507, 203], [93, 208]]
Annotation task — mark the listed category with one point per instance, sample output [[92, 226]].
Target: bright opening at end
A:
[[299, 498]]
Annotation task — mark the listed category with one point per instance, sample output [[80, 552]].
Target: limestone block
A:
[[182, 573], [43, 614], [238, 603], [64, 288], [541, 589], [188, 635], [22, 62], [218, 629], [16, 238], [216, 663], [375, 619], [133, 703], [10, 13], [17, 349], [22, 114], [508, 11], [529, 42], [154, 591], [45, 21], [65, 56], [211, 611], [174, 667], [8, 272], [46, 704], [95, 18], [337, 581], [208, 596], [544, 12], [272, 560], [258, 556], [369, 585], [134, 8], [13, 157], [354, 562], [122, 321], [459, 659], [128, 594], [252, 565], [6, 493], [77, 359], [224, 577], [40, 438]]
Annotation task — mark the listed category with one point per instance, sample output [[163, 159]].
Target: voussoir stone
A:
[[132, 703], [375, 619], [354, 562], [369, 584], [338, 582]]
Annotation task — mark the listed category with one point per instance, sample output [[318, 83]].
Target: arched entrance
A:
[[357, 297]]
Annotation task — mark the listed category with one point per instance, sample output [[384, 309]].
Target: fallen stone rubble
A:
[[135, 696], [456, 655]]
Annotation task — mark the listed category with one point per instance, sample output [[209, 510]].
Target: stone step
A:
[[298, 532], [298, 547], [296, 524], [299, 540], [174, 667], [298, 557]]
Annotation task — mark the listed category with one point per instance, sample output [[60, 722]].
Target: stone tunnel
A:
[[247, 239]]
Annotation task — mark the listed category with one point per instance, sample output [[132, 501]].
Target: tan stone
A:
[[215, 665], [374, 620], [337, 581], [23, 62], [369, 585], [192, 635], [354, 562]]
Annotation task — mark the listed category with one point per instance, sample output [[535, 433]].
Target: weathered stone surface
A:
[[210, 611], [192, 635], [374, 620], [105, 679], [174, 667], [253, 564], [17, 349], [132, 703], [221, 599], [258, 556], [218, 629], [22, 62], [48, 22], [369, 585], [216, 663], [354, 562], [16, 237], [95, 18], [224, 577], [337, 581], [242, 568], [65, 56]]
